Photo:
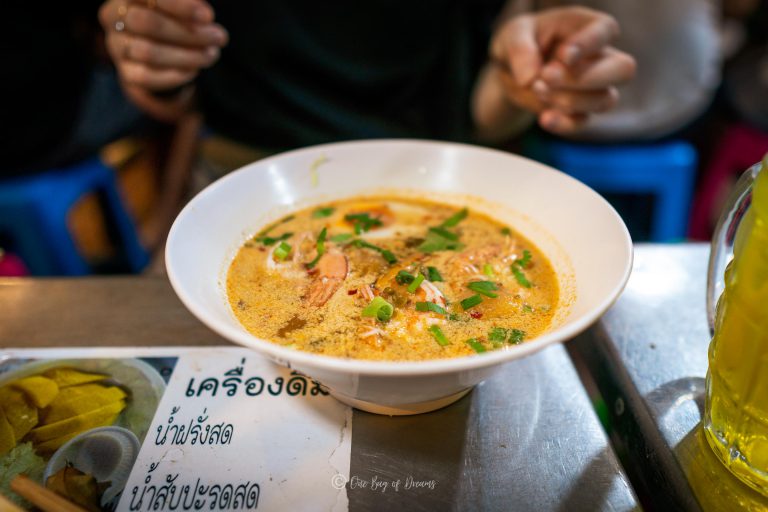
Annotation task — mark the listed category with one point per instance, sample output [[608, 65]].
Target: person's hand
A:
[[559, 64], [160, 45]]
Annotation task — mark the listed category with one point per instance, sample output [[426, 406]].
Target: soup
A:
[[394, 279]]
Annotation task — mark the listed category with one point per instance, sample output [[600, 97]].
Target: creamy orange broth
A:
[[321, 309]]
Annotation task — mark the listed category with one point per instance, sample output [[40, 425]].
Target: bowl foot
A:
[[400, 409]]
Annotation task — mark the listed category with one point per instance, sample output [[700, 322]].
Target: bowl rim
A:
[[288, 356]]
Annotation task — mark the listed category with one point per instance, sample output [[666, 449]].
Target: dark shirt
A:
[[47, 58], [300, 72]]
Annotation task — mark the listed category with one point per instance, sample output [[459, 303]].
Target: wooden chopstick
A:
[[7, 505], [45, 499]]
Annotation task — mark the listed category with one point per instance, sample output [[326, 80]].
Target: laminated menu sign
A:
[[171, 429]]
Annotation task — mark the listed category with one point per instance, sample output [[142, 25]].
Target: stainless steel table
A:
[[527, 439], [648, 357]]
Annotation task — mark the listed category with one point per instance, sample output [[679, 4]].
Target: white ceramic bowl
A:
[[584, 237]]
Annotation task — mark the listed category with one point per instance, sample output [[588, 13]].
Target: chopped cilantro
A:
[[516, 336], [511, 336], [498, 334]]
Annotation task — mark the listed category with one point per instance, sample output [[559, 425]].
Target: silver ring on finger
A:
[[122, 11]]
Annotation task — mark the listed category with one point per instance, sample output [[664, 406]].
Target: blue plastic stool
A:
[[33, 214], [665, 170]]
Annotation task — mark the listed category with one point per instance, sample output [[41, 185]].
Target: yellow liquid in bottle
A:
[[736, 418]]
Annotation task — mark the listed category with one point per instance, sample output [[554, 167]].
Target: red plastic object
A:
[[12, 266], [740, 147]]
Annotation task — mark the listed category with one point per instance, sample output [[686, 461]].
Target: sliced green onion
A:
[[527, 308], [498, 334], [430, 306], [434, 275], [506, 231], [525, 260], [484, 288], [455, 218], [416, 283], [516, 336], [437, 333], [320, 248], [445, 233], [379, 308], [476, 345], [404, 277], [321, 213], [363, 222], [282, 251], [272, 226], [471, 302], [268, 240], [453, 317], [520, 276], [488, 270], [520, 264], [341, 237], [388, 256]]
